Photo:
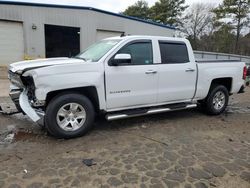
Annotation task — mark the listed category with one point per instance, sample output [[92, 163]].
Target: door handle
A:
[[190, 70], [151, 72]]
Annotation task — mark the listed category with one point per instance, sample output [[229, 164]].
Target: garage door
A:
[[101, 34], [11, 42]]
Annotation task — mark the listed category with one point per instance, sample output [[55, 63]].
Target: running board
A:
[[143, 112]]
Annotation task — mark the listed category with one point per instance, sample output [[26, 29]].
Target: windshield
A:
[[95, 52]]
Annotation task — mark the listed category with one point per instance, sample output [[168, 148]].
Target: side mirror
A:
[[121, 59]]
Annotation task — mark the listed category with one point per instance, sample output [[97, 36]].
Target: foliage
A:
[[223, 40], [244, 45], [197, 21], [168, 11], [140, 10], [234, 13], [164, 11]]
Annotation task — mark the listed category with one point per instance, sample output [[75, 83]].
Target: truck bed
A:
[[209, 69]]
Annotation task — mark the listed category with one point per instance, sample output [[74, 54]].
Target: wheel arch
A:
[[90, 92], [227, 82]]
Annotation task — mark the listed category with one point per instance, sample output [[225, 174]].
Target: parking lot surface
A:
[[178, 149]]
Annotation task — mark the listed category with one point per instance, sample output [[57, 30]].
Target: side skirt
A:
[[148, 111]]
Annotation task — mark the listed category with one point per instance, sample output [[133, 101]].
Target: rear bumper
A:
[[242, 89], [248, 81]]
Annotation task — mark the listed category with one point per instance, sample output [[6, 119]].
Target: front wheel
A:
[[69, 116], [217, 100]]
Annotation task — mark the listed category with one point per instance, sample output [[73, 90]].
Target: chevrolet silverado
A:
[[121, 77]]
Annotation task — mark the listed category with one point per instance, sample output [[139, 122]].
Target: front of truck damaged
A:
[[22, 88], [33, 81], [22, 94], [31, 84]]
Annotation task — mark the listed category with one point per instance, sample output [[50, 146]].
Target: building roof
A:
[[85, 8]]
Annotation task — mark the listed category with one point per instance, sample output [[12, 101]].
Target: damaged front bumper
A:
[[14, 95], [20, 98]]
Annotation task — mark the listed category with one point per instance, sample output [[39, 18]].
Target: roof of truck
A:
[[176, 39]]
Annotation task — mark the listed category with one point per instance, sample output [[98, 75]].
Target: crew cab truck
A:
[[121, 77]]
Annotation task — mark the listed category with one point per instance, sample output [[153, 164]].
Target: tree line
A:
[[223, 28]]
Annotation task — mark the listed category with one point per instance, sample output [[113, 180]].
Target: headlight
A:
[[15, 79]]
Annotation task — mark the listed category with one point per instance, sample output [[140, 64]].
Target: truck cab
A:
[[153, 73]]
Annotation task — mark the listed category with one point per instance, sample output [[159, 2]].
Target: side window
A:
[[141, 53], [172, 53]]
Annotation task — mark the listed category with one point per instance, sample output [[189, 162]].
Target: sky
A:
[[109, 5]]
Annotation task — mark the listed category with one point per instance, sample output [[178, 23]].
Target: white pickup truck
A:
[[121, 77]]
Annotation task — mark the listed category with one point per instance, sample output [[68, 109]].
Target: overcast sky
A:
[[109, 5]]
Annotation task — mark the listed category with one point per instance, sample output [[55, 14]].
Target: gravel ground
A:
[[180, 149], [4, 87]]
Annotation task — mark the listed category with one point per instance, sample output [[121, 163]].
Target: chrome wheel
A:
[[71, 117], [219, 100]]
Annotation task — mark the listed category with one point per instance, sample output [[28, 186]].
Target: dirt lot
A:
[[4, 87], [179, 149]]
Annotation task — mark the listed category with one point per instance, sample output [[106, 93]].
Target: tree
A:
[[168, 11], [163, 11], [236, 11], [197, 21], [217, 41], [244, 45], [140, 10], [223, 39]]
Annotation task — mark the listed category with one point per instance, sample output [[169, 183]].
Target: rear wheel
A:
[[69, 116], [217, 100]]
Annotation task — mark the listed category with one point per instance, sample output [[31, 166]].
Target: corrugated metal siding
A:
[[102, 34], [88, 21], [11, 42]]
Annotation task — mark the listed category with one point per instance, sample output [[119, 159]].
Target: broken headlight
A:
[[15, 79], [30, 87]]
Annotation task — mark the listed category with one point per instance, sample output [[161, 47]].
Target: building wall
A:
[[88, 21]]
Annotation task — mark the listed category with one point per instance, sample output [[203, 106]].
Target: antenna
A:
[[123, 34]]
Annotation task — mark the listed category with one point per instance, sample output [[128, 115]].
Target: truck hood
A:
[[23, 66]]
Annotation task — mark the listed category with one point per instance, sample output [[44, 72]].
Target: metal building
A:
[[29, 30]]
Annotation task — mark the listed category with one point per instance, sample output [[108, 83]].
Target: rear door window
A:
[[173, 53]]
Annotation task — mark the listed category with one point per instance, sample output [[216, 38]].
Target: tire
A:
[[71, 109], [216, 101]]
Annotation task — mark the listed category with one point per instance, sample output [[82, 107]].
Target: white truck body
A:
[[124, 87]]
